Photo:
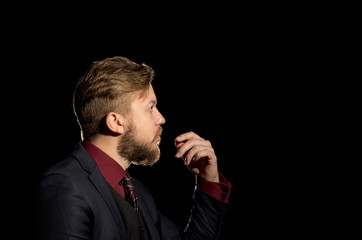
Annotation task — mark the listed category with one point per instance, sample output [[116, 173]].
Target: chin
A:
[[146, 162]]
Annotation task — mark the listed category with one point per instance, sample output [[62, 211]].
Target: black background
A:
[[232, 79]]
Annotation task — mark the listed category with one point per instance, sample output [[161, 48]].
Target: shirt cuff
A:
[[220, 191]]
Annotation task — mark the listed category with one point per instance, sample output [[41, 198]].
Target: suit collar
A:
[[84, 158]]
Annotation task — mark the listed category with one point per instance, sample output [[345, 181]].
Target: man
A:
[[90, 195]]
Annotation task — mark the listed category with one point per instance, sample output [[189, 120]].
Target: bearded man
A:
[[90, 195]]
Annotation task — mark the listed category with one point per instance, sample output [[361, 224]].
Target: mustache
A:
[[159, 133]]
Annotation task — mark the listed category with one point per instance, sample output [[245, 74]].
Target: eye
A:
[[151, 108]]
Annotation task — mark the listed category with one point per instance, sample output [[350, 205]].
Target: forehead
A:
[[148, 96]]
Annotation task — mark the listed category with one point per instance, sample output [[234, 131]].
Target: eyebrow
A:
[[154, 102]]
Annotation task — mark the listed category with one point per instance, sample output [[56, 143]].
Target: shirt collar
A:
[[110, 169]]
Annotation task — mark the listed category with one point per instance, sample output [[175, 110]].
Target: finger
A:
[[205, 153], [192, 154], [187, 136], [191, 143], [179, 144]]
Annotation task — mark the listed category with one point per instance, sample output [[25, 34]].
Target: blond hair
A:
[[108, 86]]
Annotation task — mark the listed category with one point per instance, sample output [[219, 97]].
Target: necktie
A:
[[129, 192]]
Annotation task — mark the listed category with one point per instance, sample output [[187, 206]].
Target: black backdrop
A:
[[232, 84], [196, 90]]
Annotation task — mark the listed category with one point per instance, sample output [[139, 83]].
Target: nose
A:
[[159, 118]]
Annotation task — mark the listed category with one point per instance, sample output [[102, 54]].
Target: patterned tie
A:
[[129, 192]]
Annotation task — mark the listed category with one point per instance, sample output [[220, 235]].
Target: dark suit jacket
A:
[[75, 202]]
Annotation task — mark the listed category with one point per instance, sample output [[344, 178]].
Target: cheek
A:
[[145, 131], [145, 126]]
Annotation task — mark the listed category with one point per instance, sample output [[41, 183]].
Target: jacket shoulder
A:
[[67, 167], [76, 162]]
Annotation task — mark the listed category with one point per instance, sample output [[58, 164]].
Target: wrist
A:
[[211, 178]]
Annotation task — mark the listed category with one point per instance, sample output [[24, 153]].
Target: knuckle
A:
[[203, 152], [191, 133], [197, 148]]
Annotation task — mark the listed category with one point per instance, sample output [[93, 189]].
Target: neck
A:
[[109, 145]]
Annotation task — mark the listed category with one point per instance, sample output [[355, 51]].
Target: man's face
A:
[[142, 136]]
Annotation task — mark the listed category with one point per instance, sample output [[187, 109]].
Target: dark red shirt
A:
[[113, 173]]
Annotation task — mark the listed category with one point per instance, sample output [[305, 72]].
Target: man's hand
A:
[[198, 155]]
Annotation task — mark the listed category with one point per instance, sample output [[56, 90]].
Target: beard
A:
[[137, 152]]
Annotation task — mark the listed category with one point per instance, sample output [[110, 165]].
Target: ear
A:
[[115, 123]]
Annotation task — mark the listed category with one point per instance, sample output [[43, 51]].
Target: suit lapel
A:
[[100, 184]]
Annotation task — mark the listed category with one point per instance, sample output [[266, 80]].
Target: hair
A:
[[108, 86]]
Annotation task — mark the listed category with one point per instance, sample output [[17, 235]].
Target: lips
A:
[[158, 137]]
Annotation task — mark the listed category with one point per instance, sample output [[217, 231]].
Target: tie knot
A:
[[126, 180], [126, 177]]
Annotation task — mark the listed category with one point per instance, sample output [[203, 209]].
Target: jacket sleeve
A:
[[205, 222], [206, 218], [61, 209]]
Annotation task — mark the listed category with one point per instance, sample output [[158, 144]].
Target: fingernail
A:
[[177, 155]]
